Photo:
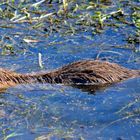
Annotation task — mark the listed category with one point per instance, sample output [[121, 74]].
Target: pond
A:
[[59, 112]]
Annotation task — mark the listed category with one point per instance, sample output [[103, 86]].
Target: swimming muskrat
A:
[[85, 72]]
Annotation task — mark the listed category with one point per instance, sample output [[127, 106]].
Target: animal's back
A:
[[93, 73], [86, 72]]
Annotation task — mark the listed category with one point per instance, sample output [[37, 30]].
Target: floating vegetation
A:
[[69, 17], [93, 15], [45, 34]]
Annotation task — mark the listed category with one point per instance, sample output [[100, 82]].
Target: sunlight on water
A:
[[58, 112]]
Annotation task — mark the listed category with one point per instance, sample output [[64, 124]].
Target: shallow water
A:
[[59, 112]]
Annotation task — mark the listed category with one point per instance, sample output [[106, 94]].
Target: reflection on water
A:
[[58, 111]]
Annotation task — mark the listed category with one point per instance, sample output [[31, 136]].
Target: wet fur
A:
[[80, 73]]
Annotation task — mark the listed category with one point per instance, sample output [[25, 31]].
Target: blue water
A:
[[59, 112]]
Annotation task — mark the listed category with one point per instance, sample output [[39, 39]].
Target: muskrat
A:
[[85, 72]]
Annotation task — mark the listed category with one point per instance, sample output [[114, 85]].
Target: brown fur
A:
[[86, 72]]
